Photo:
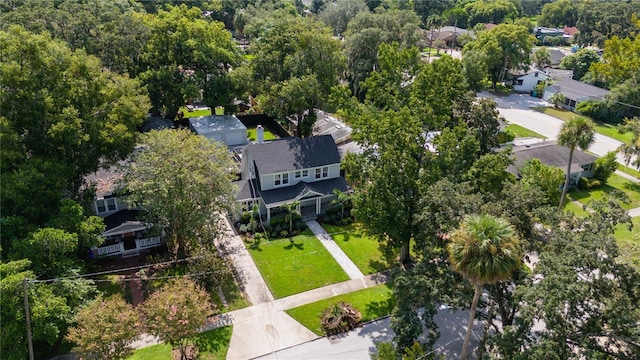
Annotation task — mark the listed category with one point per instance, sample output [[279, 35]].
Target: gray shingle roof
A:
[[575, 90], [293, 153], [549, 153], [277, 197]]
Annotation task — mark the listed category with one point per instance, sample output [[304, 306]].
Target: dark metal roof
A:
[[550, 153], [575, 90], [293, 153]]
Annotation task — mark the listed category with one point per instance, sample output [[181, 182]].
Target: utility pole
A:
[[27, 313]]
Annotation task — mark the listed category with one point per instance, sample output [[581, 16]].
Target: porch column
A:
[[268, 215], [318, 206]]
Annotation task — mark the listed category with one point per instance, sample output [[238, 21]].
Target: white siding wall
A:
[[529, 82]]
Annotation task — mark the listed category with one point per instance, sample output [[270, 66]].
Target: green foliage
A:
[[176, 312], [578, 132], [557, 99], [598, 21], [92, 116], [547, 178], [196, 55], [488, 174], [480, 116], [104, 329], [594, 109], [190, 178], [505, 137], [51, 251], [580, 62], [605, 166], [558, 14], [338, 14], [496, 12], [505, 46], [632, 147], [339, 317], [587, 184]]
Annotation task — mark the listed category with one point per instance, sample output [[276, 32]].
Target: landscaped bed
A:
[[614, 182], [212, 345], [363, 250], [293, 267], [374, 302]]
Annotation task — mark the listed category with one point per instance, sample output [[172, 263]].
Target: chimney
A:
[[260, 134]]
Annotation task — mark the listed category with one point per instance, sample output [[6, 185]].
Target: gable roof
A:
[[284, 195], [293, 153], [574, 90], [549, 153]]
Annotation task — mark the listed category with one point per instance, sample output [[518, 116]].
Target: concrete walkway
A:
[[347, 265], [265, 328], [251, 281]]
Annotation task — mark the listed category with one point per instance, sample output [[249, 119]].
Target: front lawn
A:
[[291, 268], [374, 303], [629, 243], [575, 209], [629, 171], [615, 182], [521, 132], [212, 345], [363, 250], [601, 128]]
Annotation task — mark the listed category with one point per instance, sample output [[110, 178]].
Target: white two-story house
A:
[[126, 234], [283, 171]]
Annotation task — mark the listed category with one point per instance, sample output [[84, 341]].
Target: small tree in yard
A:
[[557, 99], [342, 198], [339, 317], [605, 166], [176, 312], [105, 328], [291, 208]]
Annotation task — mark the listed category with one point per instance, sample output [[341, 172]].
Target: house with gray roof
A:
[[552, 154], [575, 92], [282, 171]]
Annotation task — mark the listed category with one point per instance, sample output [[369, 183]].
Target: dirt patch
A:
[[191, 353]]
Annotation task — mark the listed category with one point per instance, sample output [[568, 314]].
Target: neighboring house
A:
[[543, 34], [552, 154], [282, 171], [526, 83], [575, 92], [224, 128], [448, 34], [125, 234]]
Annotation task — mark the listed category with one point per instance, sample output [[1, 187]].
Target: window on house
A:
[[322, 172], [285, 179], [298, 174], [305, 173], [536, 75], [519, 82], [281, 179], [106, 205], [278, 179]]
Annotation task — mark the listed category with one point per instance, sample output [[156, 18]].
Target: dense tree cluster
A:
[[77, 78]]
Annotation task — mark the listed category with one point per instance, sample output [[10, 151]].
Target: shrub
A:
[[505, 136], [605, 166], [586, 184], [245, 217], [339, 317]]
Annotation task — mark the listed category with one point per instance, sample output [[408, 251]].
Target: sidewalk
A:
[[250, 280], [343, 260], [265, 328]]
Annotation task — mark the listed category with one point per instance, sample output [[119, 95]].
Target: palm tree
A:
[[341, 198], [577, 132], [485, 250], [291, 208]]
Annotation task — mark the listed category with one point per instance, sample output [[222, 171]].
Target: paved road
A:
[[516, 108]]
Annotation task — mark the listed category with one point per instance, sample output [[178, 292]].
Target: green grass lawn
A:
[[192, 114], [109, 286], [601, 128], [615, 182], [212, 345], [629, 243], [374, 302], [232, 293], [630, 171], [575, 209], [251, 134], [363, 250], [519, 131], [291, 268]]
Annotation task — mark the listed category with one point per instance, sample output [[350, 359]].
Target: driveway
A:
[[516, 108]]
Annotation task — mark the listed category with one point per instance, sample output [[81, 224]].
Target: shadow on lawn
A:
[[292, 245], [629, 185]]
